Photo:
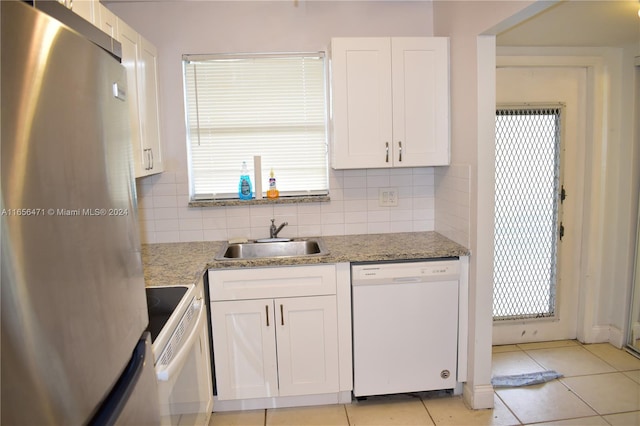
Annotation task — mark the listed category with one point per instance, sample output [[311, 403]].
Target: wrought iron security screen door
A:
[[528, 196]]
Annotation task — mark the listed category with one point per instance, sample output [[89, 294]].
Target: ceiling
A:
[[572, 23]]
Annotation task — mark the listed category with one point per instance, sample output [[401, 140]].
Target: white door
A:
[[547, 86], [244, 346], [307, 335]]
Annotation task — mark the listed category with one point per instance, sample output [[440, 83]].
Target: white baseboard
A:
[[617, 337], [597, 334], [478, 397]]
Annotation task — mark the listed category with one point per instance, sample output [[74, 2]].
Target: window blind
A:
[[272, 105]]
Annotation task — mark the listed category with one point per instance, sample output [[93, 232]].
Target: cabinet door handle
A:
[[148, 158], [387, 160], [266, 309], [151, 157], [281, 315], [400, 150]]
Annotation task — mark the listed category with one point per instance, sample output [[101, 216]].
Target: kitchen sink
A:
[[264, 249]]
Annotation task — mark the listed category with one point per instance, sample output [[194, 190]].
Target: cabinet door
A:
[[84, 8], [107, 21], [420, 69], [149, 112], [307, 340], [130, 53], [244, 349], [361, 81]]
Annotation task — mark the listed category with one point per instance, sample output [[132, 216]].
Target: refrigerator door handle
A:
[[113, 405]]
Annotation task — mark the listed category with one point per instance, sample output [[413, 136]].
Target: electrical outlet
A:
[[388, 197]]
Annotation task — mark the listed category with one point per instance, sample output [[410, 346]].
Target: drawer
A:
[[262, 283]]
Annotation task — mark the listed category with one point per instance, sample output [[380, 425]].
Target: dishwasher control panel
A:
[[406, 271]]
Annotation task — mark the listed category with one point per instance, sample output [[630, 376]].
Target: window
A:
[[271, 105]]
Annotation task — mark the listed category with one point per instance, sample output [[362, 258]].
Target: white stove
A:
[[180, 342]]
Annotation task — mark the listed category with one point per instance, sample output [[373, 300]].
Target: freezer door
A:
[[72, 293]]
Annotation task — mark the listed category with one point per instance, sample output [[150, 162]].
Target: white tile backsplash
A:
[[453, 186], [354, 208]]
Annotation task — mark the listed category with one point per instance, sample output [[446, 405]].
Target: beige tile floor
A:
[[600, 386]]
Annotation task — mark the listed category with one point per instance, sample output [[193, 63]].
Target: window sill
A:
[[262, 201]]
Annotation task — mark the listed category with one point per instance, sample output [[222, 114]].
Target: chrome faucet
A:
[[273, 231]]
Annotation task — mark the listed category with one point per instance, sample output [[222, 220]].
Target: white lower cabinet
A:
[[283, 346], [244, 349], [307, 343], [275, 347]]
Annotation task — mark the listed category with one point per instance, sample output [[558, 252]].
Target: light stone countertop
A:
[[185, 263]]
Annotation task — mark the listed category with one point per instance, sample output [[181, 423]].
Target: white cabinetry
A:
[[275, 347], [148, 159], [85, 8], [107, 21], [390, 102], [140, 60], [280, 346]]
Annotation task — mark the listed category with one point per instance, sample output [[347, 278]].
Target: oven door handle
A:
[[176, 364]]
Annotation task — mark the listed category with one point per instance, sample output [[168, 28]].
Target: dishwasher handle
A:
[[401, 280], [405, 280]]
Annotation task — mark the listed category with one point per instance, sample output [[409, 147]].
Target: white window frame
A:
[[294, 177]]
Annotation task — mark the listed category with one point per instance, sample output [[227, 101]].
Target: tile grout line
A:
[[568, 387], [520, 422], [346, 414], [580, 345], [428, 413]]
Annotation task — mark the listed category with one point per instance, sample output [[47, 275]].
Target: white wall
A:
[[178, 28], [623, 192], [472, 117]]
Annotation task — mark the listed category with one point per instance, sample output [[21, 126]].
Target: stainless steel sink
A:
[[272, 249]]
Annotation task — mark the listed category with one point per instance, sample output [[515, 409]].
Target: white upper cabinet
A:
[[139, 58], [85, 8], [390, 100], [151, 161], [130, 42], [107, 21]]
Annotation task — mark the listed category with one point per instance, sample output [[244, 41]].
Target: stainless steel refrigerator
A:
[[74, 348]]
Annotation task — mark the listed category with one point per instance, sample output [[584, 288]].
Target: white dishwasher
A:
[[405, 326]]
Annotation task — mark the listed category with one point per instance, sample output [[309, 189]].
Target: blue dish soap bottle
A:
[[245, 192]]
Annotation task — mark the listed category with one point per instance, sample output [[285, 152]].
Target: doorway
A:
[[633, 333], [545, 252]]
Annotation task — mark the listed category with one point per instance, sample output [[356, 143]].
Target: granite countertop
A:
[[184, 263]]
